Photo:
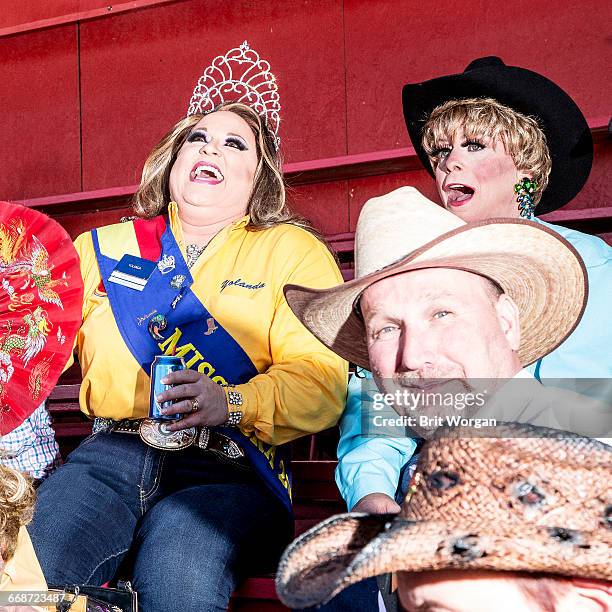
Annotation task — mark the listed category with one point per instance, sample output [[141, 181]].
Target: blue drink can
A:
[[162, 366]]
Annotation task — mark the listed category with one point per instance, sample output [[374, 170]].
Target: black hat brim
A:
[[567, 133]]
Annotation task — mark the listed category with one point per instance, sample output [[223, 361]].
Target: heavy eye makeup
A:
[[443, 150], [473, 145], [440, 152], [236, 142], [198, 136], [233, 141]]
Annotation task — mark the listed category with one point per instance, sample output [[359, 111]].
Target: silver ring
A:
[[195, 404]]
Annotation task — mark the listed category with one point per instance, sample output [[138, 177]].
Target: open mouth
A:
[[204, 172], [458, 194]]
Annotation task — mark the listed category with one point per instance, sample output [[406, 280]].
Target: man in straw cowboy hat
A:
[[504, 524], [441, 305], [436, 299]]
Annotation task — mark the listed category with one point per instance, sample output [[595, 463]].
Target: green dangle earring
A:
[[525, 190]]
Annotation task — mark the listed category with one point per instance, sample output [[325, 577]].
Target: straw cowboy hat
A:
[[404, 231], [567, 132], [517, 503]]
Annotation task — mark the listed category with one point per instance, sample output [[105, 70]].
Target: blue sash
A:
[[216, 354]]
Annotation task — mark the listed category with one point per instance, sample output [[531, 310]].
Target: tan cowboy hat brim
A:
[[536, 267], [348, 548]]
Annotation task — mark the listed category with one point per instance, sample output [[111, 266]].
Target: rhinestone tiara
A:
[[239, 76]]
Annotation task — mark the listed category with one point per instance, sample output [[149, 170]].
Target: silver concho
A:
[[155, 434]]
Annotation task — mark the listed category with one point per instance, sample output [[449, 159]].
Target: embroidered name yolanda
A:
[[240, 283]]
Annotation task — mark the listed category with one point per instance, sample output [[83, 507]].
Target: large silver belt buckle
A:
[[156, 434]]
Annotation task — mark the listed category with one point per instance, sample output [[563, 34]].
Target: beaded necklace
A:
[[193, 251]]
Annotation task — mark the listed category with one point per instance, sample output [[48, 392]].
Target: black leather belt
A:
[[155, 434]]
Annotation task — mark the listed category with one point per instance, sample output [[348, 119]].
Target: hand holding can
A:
[[162, 366]]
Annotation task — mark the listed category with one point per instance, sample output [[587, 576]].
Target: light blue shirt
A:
[[372, 465], [587, 353], [367, 464]]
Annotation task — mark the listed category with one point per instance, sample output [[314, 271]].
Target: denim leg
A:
[[86, 512], [191, 546], [359, 597]]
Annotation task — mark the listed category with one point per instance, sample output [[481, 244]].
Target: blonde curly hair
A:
[[16, 508], [486, 118]]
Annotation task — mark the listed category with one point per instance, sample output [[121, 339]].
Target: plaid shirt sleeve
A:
[[31, 448]]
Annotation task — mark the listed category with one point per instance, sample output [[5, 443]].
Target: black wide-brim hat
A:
[[567, 133]]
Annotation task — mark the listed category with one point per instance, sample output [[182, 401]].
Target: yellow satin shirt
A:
[[301, 385]]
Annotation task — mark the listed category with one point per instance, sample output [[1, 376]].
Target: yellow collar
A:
[[177, 228]]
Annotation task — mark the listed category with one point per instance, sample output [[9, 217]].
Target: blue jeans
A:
[[359, 597], [187, 525]]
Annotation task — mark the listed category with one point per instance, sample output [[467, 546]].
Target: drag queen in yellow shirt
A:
[[185, 511]]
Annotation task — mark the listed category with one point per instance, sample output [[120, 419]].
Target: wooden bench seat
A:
[[314, 491]]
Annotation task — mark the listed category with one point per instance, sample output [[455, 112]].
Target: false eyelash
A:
[[437, 151], [238, 142], [478, 143], [197, 134]]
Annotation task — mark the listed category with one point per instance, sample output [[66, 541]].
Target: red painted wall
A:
[[40, 149], [20, 12], [84, 102], [138, 71], [390, 43], [23, 15]]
